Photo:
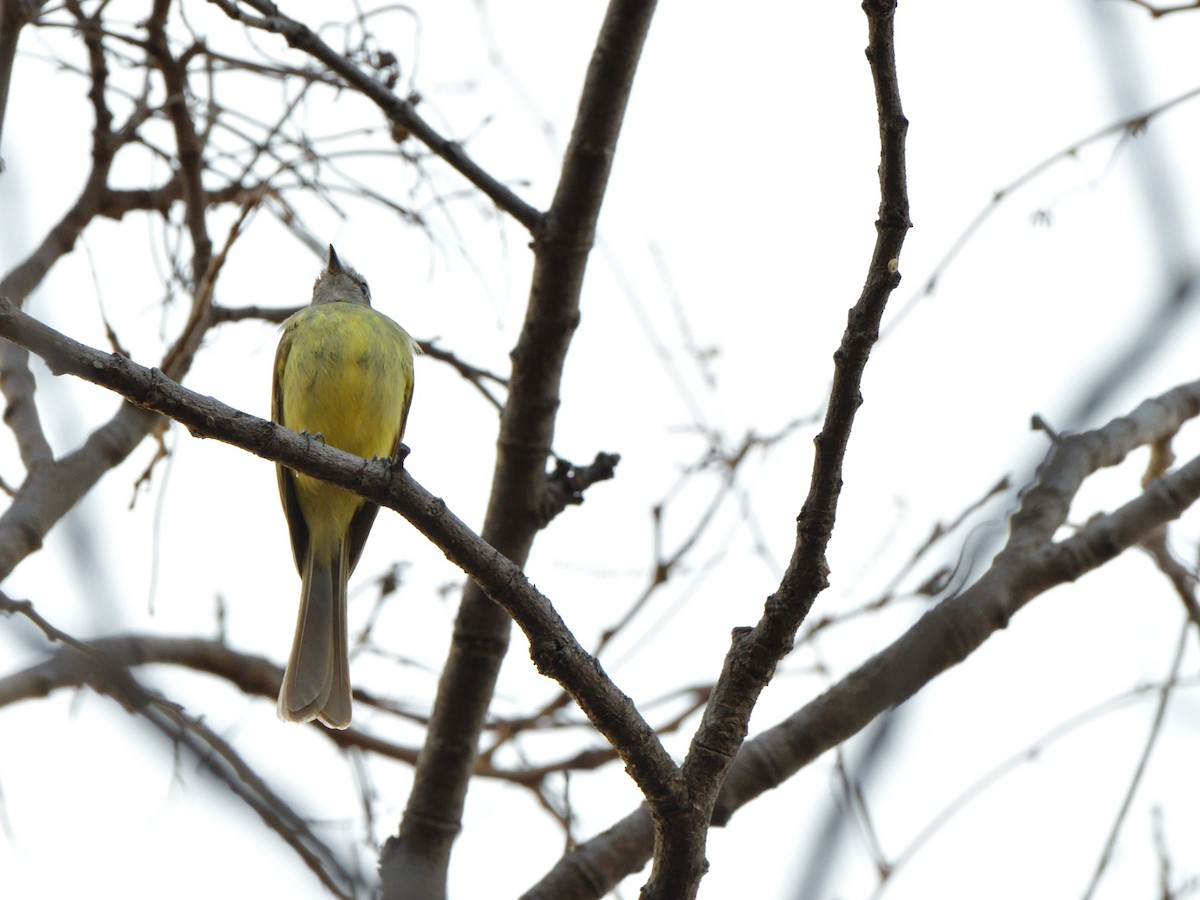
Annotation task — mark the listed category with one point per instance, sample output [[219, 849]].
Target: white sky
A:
[[748, 162]]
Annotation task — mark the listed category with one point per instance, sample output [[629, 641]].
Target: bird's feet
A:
[[396, 460]]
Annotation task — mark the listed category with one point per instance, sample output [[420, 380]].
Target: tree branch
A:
[[399, 112], [104, 666], [14, 15], [943, 637], [553, 649], [679, 860], [1157, 12], [415, 862]]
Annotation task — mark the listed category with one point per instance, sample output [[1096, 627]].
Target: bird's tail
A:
[[316, 684]]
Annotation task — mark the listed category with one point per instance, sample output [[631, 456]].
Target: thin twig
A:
[[398, 110]]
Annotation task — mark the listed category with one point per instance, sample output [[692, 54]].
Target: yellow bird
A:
[[344, 376]]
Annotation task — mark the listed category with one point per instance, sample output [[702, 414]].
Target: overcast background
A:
[[740, 218]]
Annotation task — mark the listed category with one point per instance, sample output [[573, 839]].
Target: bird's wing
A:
[[285, 476]]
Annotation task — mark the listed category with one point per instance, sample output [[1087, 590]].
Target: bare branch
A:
[[14, 15], [415, 862], [189, 150], [1185, 586], [944, 636], [1127, 127], [553, 649], [1157, 12], [103, 666], [679, 860], [400, 112]]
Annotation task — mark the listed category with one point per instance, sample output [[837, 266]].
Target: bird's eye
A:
[[362, 283]]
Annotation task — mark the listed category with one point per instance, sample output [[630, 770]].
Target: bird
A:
[[343, 376]]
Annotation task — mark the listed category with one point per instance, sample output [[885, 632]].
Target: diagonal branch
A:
[[942, 638], [14, 15], [553, 648], [400, 112], [103, 666], [16, 380], [52, 489], [414, 864], [188, 143], [679, 860]]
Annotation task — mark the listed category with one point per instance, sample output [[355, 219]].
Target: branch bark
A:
[[414, 864], [553, 648], [1030, 564], [679, 857], [399, 111]]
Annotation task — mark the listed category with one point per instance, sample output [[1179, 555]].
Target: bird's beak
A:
[[334, 264]]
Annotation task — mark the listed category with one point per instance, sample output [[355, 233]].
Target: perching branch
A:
[[415, 862], [553, 649]]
